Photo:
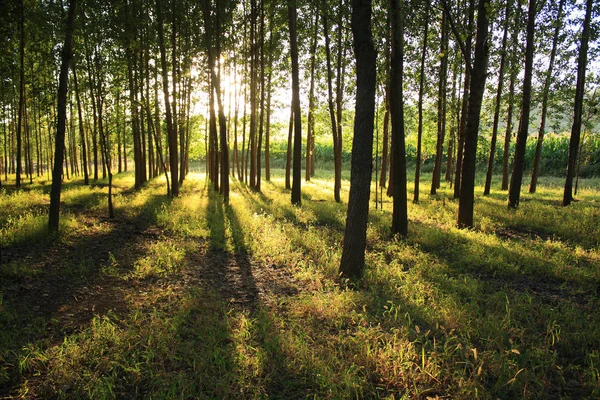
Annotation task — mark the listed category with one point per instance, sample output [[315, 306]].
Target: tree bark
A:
[[355, 235], [578, 106], [545, 95], [67, 55], [172, 134], [490, 168], [514, 193], [400, 207], [420, 108], [297, 156], [477, 88], [441, 119]]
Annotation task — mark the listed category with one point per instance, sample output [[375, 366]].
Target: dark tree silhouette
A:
[[355, 235]]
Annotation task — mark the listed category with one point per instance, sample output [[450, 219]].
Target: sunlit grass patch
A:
[[162, 258]]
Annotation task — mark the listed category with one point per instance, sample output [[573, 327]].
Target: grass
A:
[[192, 298]]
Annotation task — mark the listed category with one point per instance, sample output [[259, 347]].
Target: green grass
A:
[[192, 298]]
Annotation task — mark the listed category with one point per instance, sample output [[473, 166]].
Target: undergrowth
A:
[[507, 309]]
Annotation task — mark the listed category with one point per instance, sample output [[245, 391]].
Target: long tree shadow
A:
[[52, 288]]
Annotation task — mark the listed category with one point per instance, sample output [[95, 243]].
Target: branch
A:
[[459, 41]]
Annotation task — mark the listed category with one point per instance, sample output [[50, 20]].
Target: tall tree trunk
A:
[[172, 133], [514, 70], [453, 125], [400, 207], [261, 117], [420, 106], [516, 179], [460, 145], [67, 55], [288, 159], [578, 106], [253, 94], [355, 234], [86, 178], [479, 73], [545, 93], [311, 98], [490, 168], [297, 156], [334, 129], [21, 92], [441, 122], [339, 98]]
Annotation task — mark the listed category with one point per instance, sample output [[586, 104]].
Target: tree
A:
[[67, 55], [578, 105], [21, 91], [519, 161], [420, 108], [476, 91], [355, 234], [297, 156], [171, 133], [441, 117], [488, 177], [400, 208], [545, 95]]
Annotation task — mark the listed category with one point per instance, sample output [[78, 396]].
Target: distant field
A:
[[191, 298]]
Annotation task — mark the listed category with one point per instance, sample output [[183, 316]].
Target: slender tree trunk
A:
[[262, 97], [355, 235], [339, 98], [420, 106], [490, 168], [453, 124], [21, 92], [460, 145], [67, 55], [311, 98], [296, 173], [514, 193], [578, 106], [334, 129], [545, 94], [288, 159], [400, 207], [253, 94], [511, 100], [86, 179], [172, 133], [441, 122], [477, 89]]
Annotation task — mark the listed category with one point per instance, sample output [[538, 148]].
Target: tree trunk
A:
[[420, 107], [172, 134], [288, 159], [355, 234], [578, 106], [511, 99], [311, 99], [400, 207], [21, 92], [490, 168], [82, 131], [297, 156], [479, 73], [334, 128], [441, 122], [545, 94], [519, 161], [460, 145], [67, 55]]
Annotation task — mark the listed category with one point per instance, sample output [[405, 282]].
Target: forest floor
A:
[[192, 298]]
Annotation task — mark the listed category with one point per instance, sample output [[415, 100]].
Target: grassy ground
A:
[[191, 298]]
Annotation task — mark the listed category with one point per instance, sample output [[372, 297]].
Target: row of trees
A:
[[138, 69]]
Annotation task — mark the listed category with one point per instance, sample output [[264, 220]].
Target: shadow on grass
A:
[[70, 267]]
